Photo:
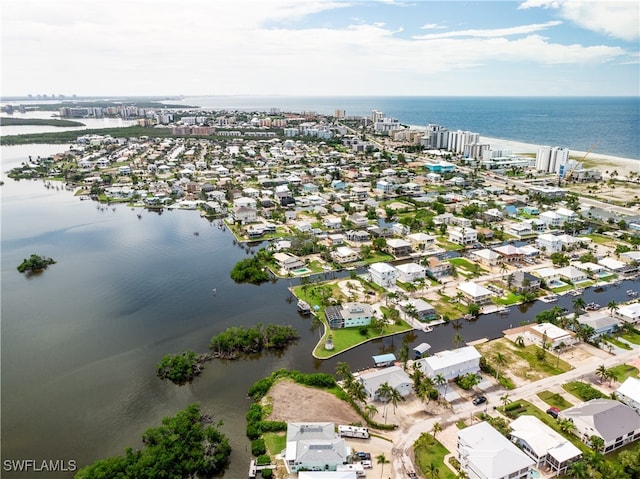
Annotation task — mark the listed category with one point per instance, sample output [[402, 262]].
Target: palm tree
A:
[[370, 410], [500, 361], [578, 304], [432, 471], [597, 443], [384, 394], [520, 342], [382, 460], [578, 470], [566, 425], [344, 371], [395, 397], [457, 340], [611, 376], [612, 306], [357, 391], [505, 400], [440, 380], [601, 372], [436, 429]]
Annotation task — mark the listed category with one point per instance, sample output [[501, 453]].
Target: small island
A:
[[35, 263], [185, 445], [232, 343], [4, 121]]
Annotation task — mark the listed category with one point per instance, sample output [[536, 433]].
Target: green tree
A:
[[370, 410], [612, 306], [505, 399], [601, 372], [501, 360], [437, 428], [432, 471], [344, 371], [382, 460], [457, 340], [578, 305]]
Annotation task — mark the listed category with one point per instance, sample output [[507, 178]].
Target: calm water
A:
[[89, 123], [613, 123], [80, 342]]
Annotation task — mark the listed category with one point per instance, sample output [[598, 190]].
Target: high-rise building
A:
[[550, 159]]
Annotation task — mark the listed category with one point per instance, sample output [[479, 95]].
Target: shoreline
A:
[[624, 166]]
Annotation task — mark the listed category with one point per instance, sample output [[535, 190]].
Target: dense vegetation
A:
[[185, 446], [4, 121], [179, 368], [237, 340], [71, 136], [252, 270], [35, 263]]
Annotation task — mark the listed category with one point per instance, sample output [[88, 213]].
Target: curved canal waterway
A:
[[80, 341]]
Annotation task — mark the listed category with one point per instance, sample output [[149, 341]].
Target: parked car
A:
[[366, 464], [364, 455], [479, 400], [553, 412]]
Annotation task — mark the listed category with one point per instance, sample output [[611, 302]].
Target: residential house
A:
[[573, 274], [287, 261], [523, 281], [492, 215], [314, 446], [567, 215], [484, 453], [421, 241], [475, 293], [463, 236], [345, 254], [394, 376], [629, 393], [335, 239], [332, 222], [399, 247], [509, 253], [520, 229], [383, 274], [410, 272], [614, 265], [485, 256], [549, 334], [423, 311], [244, 214], [629, 313], [548, 275], [349, 315], [358, 236], [549, 243], [451, 363], [602, 324], [615, 423], [544, 445], [358, 220], [437, 268], [551, 219]]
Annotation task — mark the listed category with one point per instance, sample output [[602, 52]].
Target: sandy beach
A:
[[605, 163]]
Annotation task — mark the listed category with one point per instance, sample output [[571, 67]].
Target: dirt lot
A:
[[293, 402]]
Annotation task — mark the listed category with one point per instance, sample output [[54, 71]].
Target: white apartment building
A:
[[463, 236], [459, 139], [383, 274], [550, 158], [550, 243]]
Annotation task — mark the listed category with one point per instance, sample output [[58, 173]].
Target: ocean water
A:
[[612, 124]]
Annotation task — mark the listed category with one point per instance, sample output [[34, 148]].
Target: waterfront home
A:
[[573, 274], [345, 254], [486, 256], [394, 376], [421, 241], [589, 268], [287, 261], [520, 229], [398, 247], [314, 446], [244, 215], [614, 265], [410, 272], [475, 293], [383, 274], [438, 268], [542, 444], [484, 453], [629, 393], [548, 275], [509, 253], [422, 310], [549, 334], [523, 281], [615, 423], [349, 315], [602, 324], [549, 243], [463, 236], [629, 313], [567, 215], [451, 363], [551, 219]]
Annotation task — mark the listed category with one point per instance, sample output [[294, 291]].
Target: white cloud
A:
[[432, 26], [496, 32], [616, 19]]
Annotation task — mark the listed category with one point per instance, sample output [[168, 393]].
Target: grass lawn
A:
[[623, 371], [468, 265], [562, 289], [377, 257], [429, 450], [448, 245], [554, 399], [632, 336], [511, 298], [275, 442], [600, 239], [583, 391], [551, 365], [616, 342]]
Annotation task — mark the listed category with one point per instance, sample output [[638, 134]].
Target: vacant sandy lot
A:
[[293, 402]]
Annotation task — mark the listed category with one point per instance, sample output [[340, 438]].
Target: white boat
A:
[[427, 329], [304, 307]]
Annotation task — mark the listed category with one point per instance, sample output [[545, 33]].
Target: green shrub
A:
[[267, 473], [263, 460], [258, 447], [512, 406]]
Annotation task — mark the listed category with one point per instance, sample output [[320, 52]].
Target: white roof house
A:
[[315, 446], [629, 393], [551, 334], [629, 313], [484, 453], [542, 444], [410, 272], [474, 292], [573, 274], [612, 264], [383, 274], [394, 376], [486, 256], [327, 475], [451, 363]]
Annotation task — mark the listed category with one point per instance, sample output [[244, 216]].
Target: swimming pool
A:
[[301, 271]]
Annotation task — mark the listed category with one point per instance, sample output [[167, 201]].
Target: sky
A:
[[320, 47]]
